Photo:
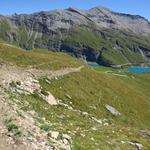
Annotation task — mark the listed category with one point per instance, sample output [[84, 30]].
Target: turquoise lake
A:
[[139, 70], [93, 64], [132, 69]]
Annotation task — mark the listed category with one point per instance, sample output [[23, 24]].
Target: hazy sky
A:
[[140, 7]]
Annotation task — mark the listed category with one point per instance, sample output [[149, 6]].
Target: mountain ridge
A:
[[98, 34], [96, 7]]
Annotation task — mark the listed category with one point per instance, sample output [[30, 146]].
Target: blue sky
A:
[[140, 7]]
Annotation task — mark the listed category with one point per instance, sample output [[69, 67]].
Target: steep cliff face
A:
[[98, 34]]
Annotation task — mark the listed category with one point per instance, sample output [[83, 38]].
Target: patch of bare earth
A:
[[18, 129]]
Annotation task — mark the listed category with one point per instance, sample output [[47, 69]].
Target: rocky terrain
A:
[[18, 129], [98, 35]]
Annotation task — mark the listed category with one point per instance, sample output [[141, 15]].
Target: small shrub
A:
[[17, 133], [12, 84], [12, 126], [18, 83], [45, 127]]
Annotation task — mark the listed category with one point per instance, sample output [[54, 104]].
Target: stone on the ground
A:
[[29, 85], [68, 96], [139, 146], [54, 134], [112, 110], [66, 136], [51, 99], [65, 141]]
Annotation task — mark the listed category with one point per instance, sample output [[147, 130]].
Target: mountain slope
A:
[[80, 111], [99, 34]]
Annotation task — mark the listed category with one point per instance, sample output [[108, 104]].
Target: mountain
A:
[[97, 35]]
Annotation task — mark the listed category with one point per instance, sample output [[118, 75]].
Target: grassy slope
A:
[[4, 28], [90, 90], [120, 55], [37, 58]]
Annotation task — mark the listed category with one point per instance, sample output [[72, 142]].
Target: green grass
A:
[[36, 58], [89, 38], [103, 68], [4, 28], [46, 127], [91, 89], [114, 57]]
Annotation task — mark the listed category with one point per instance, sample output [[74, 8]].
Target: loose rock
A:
[[112, 110], [54, 134]]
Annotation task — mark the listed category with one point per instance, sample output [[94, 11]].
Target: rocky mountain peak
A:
[[73, 9], [101, 17], [100, 9]]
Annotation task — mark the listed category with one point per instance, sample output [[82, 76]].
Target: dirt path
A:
[[52, 74], [28, 78], [10, 73], [115, 74]]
